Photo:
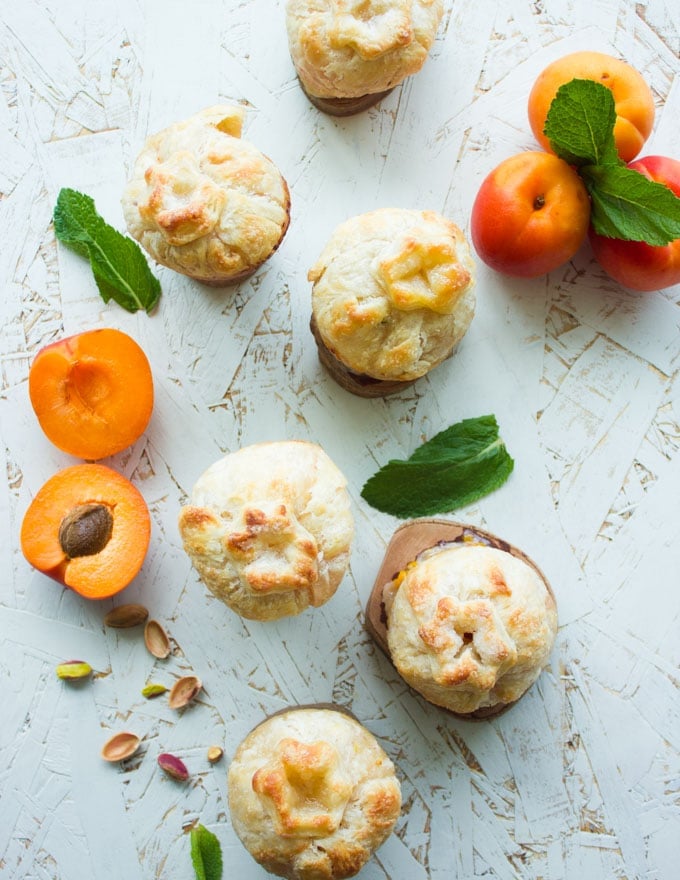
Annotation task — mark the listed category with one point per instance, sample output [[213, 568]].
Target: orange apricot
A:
[[632, 97], [92, 392], [87, 527]]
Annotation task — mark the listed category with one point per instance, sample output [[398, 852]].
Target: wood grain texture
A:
[[581, 779]]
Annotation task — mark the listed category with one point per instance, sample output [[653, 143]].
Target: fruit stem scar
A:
[[539, 202], [86, 530]]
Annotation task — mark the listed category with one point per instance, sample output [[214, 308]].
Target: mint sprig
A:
[[118, 264], [454, 468], [624, 203], [206, 854]]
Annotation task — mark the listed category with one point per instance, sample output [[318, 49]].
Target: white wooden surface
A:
[[582, 780]]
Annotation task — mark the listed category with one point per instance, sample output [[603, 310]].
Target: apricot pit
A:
[[88, 528]]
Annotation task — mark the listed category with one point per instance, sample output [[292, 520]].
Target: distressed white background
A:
[[582, 779]]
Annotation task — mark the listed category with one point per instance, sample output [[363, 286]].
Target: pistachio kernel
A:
[[173, 766], [153, 690], [86, 530], [73, 670]]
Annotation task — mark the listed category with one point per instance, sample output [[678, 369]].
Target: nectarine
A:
[[87, 527], [92, 392], [530, 215], [633, 98], [635, 264]]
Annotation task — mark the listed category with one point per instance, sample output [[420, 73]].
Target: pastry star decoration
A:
[[370, 27], [303, 789], [423, 273], [470, 642]]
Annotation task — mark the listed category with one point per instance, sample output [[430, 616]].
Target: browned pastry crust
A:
[[204, 202], [356, 51], [312, 795], [470, 634]]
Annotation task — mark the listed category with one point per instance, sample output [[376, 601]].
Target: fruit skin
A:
[[636, 264], [530, 215], [101, 574], [632, 97], [92, 392]]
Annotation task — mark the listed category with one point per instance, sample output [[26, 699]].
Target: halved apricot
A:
[[92, 392], [88, 527]]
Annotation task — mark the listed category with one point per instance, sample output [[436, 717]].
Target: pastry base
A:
[[344, 106], [356, 383], [408, 541]]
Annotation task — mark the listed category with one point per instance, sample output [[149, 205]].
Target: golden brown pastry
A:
[[204, 202], [393, 293], [470, 626], [312, 795], [269, 528], [349, 53]]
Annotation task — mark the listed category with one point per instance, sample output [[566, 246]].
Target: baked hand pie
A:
[[312, 794], [269, 528], [393, 294], [204, 202], [468, 620], [348, 54]]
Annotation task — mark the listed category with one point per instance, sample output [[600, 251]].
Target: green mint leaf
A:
[[455, 468], [206, 854], [626, 204], [118, 264], [580, 124]]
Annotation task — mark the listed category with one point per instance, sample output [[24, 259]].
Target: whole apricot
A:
[[92, 392], [636, 264], [633, 98], [87, 527], [530, 215]]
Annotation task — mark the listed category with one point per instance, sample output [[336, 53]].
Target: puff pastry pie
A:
[[312, 794], [470, 627], [349, 53], [204, 202], [393, 294], [269, 528]]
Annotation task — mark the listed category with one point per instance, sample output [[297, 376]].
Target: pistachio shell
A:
[[156, 639], [215, 754], [74, 669], [126, 615], [173, 766], [183, 691], [120, 746]]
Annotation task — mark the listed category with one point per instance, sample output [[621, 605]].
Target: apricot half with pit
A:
[[92, 392], [88, 527]]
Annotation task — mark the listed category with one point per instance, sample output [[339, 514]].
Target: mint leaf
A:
[[118, 264], [456, 467], [580, 124], [626, 204], [206, 854]]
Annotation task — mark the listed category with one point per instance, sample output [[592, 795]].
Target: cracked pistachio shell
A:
[[74, 669], [124, 616], [120, 746], [156, 639], [173, 766], [183, 691]]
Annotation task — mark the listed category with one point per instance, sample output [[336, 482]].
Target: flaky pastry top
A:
[[470, 626], [350, 48], [205, 202], [269, 528], [393, 292], [312, 794]]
